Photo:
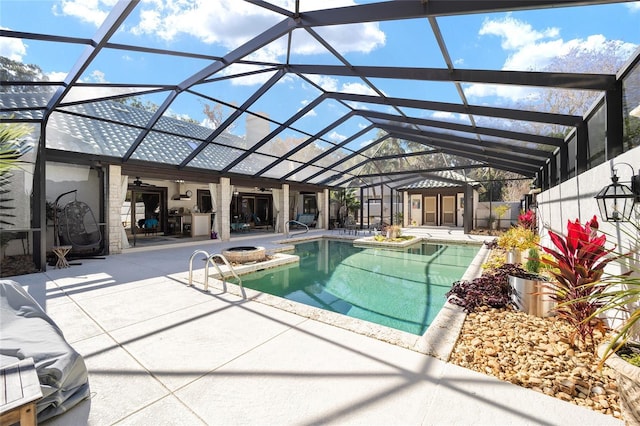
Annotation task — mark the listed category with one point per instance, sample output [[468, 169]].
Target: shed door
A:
[[430, 207], [449, 210], [460, 209]]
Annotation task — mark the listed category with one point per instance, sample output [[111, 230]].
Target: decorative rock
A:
[[535, 353], [567, 386], [563, 396], [490, 352]]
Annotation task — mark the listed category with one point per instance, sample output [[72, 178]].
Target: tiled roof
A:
[[170, 141], [442, 179]]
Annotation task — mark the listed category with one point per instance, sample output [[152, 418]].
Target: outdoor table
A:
[[19, 393], [61, 252]]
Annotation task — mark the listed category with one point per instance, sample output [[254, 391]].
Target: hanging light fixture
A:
[[616, 200]]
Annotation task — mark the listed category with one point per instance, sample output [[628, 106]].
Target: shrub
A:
[[490, 289], [533, 261], [519, 238], [578, 264], [527, 220]]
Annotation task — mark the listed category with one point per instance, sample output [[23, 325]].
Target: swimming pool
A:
[[403, 289]]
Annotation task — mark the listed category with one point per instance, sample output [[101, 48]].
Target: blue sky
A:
[[516, 41]]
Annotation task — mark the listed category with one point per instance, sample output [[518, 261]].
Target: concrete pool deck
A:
[[160, 352]]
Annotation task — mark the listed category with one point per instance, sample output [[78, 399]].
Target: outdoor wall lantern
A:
[[616, 200]]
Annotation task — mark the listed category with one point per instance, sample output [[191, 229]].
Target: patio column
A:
[[223, 215], [467, 214], [116, 194], [283, 207], [405, 208], [325, 209], [406, 202]]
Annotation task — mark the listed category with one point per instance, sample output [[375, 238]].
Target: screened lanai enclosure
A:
[[259, 112]]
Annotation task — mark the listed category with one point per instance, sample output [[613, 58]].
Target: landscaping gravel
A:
[[534, 353]]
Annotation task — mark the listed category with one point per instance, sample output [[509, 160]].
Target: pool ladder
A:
[[211, 260], [295, 222]]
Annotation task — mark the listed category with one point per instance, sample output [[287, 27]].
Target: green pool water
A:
[[403, 289]]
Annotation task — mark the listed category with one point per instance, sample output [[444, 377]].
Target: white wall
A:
[[481, 213], [62, 178], [574, 200]]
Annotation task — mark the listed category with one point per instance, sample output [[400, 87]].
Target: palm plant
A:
[[621, 293], [12, 149], [347, 199]]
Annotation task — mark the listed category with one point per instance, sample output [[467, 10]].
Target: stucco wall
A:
[[574, 200]]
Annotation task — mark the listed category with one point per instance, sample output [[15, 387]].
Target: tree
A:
[[607, 59], [11, 70], [12, 148], [347, 200], [216, 115], [514, 189], [491, 180]]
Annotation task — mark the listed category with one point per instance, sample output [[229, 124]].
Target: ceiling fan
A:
[[137, 182]]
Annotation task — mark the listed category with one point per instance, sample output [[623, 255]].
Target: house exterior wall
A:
[[573, 200], [416, 209]]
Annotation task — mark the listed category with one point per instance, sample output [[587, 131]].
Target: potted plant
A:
[[516, 240], [528, 288], [493, 224], [393, 231], [528, 220]]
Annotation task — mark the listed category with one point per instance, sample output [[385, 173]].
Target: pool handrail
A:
[[286, 228], [210, 260], [206, 255]]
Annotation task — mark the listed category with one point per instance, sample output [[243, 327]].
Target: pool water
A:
[[403, 289]]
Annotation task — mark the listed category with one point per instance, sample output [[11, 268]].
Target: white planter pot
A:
[[529, 297], [514, 256]]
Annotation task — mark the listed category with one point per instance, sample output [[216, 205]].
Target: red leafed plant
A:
[[528, 220], [578, 261]]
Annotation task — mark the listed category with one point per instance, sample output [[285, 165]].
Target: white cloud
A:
[[96, 76], [336, 137], [231, 23], [633, 7], [57, 75], [515, 33], [90, 11], [532, 49], [450, 116], [357, 89], [311, 113], [512, 93], [328, 84], [12, 48]]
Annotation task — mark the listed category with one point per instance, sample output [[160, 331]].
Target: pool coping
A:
[[439, 339]]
